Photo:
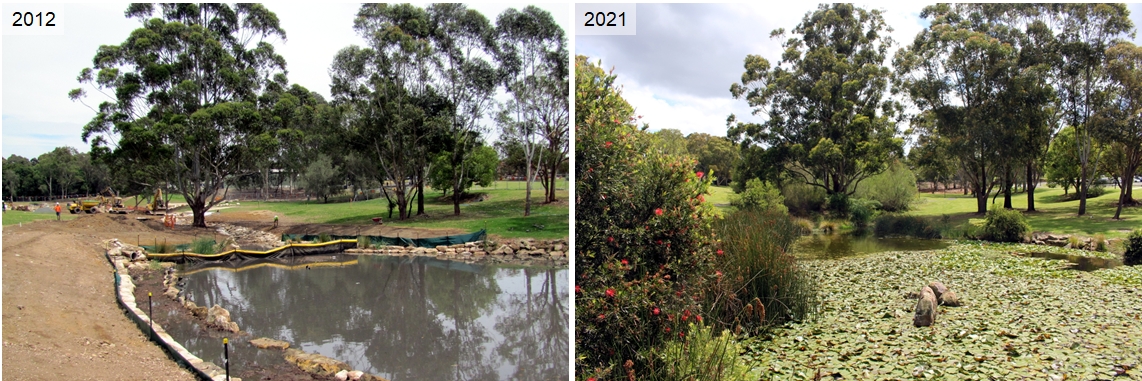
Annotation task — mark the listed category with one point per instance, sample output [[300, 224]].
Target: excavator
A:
[[157, 205], [111, 201]]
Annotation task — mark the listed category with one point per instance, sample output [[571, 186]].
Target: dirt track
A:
[[60, 318]]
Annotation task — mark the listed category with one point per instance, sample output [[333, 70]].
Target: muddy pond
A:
[[401, 318]]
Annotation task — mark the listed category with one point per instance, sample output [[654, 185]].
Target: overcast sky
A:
[[38, 71], [678, 69]]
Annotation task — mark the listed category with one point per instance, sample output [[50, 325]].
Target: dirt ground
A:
[[60, 317]]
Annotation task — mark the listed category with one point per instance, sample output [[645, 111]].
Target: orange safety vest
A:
[[57, 209]]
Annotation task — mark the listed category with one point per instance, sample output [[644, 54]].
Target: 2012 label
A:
[[601, 19], [34, 19]]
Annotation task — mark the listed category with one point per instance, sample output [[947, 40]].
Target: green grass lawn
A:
[[502, 213], [13, 217], [1052, 215]]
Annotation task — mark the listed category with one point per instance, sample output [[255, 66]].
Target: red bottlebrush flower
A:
[[625, 263], [611, 239], [701, 198], [699, 317], [608, 144], [669, 317], [667, 329], [718, 273], [578, 290], [610, 292], [590, 379], [655, 311], [658, 211], [700, 174], [684, 317], [720, 252], [681, 334], [659, 242], [601, 316]]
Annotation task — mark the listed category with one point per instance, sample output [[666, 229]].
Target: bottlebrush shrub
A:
[[642, 207]]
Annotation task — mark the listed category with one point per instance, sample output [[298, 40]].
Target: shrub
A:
[[701, 356], [1133, 245], [861, 211], [1003, 225], [364, 242], [164, 247], [804, 226], [803, 199], [828, 227], [894, 189], [202, 245], [324, 237], [756, 259], [643, 248], [894, 225], [760, 195]]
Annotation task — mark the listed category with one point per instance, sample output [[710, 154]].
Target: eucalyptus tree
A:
[[463, 42], [959, 71], [183, 94], [532, 54], [829, 123], [1122, 121], [1085, 32], [389, 109]]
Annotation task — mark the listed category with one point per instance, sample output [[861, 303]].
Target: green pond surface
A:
[[833, 246], [402, 318]]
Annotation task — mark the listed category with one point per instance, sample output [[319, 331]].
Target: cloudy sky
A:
[[38, 71], [678, 69]]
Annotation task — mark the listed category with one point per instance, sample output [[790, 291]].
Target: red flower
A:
[[700, 174], [610, 239], [608, 144], [625, 263], [601, 316], [610, 292], [720, 252], [590, 379], [699, 318], [667, 329], [578, 290], [701, 198], [718, 273], [684, 317], [658, 211], [681, 334], [655, 311], [659, 241]]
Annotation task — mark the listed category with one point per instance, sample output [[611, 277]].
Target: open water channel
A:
[[402, 318]]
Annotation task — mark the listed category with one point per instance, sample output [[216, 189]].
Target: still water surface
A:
[[402, 318], [833, 246]]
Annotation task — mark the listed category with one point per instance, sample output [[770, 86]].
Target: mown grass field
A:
[[501, 213], [13, 217], [1051, 215]]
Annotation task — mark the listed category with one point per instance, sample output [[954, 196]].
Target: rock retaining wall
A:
[[125, 293], [521, 252]]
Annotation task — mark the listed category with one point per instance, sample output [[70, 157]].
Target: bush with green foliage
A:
[[861, 211], [895, 188], [1002, 225], [1133, 245], [643, 244], [755, 255], [760, 195], [700, 356], [803, 199], [895, 225]]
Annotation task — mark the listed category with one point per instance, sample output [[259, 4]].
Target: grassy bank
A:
[[501, 213], [1023, 318], [13, 217], [1052, 213]]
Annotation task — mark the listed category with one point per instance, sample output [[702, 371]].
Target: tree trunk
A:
[[420, 194], [1083, 188], [1031, 184]]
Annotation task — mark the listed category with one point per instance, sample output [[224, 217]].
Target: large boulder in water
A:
[[925, 308], [950, 299], [938, 289]]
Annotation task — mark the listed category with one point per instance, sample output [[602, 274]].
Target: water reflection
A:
[[1082, 263], [401, 318], [832, 246]]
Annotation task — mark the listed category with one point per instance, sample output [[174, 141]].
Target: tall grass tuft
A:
[[202, 245], [1099, 242], [758, 266], [164, 247], [363, 242], [829, 227], [700, 355]]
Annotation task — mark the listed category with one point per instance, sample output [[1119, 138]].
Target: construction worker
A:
[[275, 221], [58, 209]]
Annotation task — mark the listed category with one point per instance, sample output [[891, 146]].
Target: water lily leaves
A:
[[1024, 318]]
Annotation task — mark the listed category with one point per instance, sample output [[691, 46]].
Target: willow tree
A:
[[183, 92], [829, 123]]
